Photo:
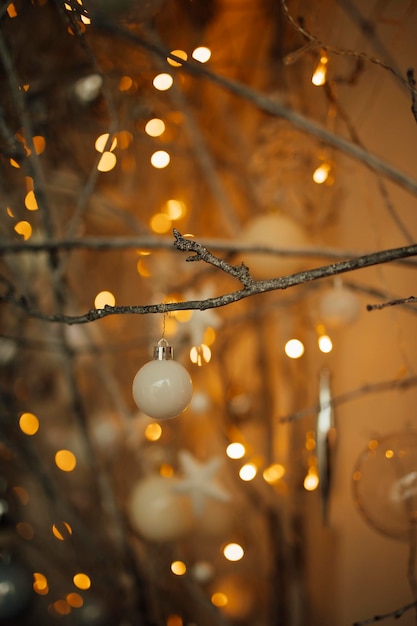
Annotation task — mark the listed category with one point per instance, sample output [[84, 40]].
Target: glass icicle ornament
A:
[[162, 388]]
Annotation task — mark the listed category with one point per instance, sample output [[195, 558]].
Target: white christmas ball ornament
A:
[[273, 231], [158, 511], [162, 388]]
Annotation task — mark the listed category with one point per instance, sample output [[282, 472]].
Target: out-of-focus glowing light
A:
[[61, 531], [311, 481], [25, 530], [153, 432], [325, 344], [24, 229], [235, 450], [248, 472], [273, 473], [155, 127], [219, 599], [82, 581], [178, 568], [201, 54], [21, 493], [74, 600], [28, 423], [65, 460], [160, 159], [62, 607], [40, 584], [30, 201], [175, 209], [102, 143], [174, 620], [233, 552], [160, 223], [39, 143], [294, 349], [11, 10], [180, 54], [125, 83], [104, 298], [200, 354], [107, 162], [321, 174], [163, 82], [319, 75], [166, 470]]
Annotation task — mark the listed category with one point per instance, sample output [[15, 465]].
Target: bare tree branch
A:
[[383, 305], [251, 287]]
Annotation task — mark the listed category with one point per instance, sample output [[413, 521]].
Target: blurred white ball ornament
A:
[[385, 484], [159, 512], [273, 231], [338, 306], [162, 388]]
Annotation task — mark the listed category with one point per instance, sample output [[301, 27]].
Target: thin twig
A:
[[383, 305], [396, 614], [402, 384]]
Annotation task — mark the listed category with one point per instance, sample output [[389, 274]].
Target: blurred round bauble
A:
[[162, 388], [385, 485], [273, 231], [338, 306], [157, 511], [15, 589]]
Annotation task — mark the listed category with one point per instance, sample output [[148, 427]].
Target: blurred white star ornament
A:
[[199, 481]]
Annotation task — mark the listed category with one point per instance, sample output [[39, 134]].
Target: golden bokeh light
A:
[[219, 599], [104, 298], [30, 201], [155, 127], [325, 344], [28, 423], [174, 620], [62, 530], [23, 228], [82, 581], [200, 355], [39, 143], [102, 143], [62, 607], [125, 83], [273, 473], [178, 568], [166, 470], [319, 75], [65, 460], [248, 472], [163, 82], [201, 54], [321, 173], [175, 209], [142, 269], [311, 481], [160, 159], [40, 584], [21, 494], [233, 552], [107, 162], [294, 348], [74, 600], [160, 223], [235, 450], [181, 54], [153, 432]]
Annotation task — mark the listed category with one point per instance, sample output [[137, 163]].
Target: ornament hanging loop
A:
[[163, 351]]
